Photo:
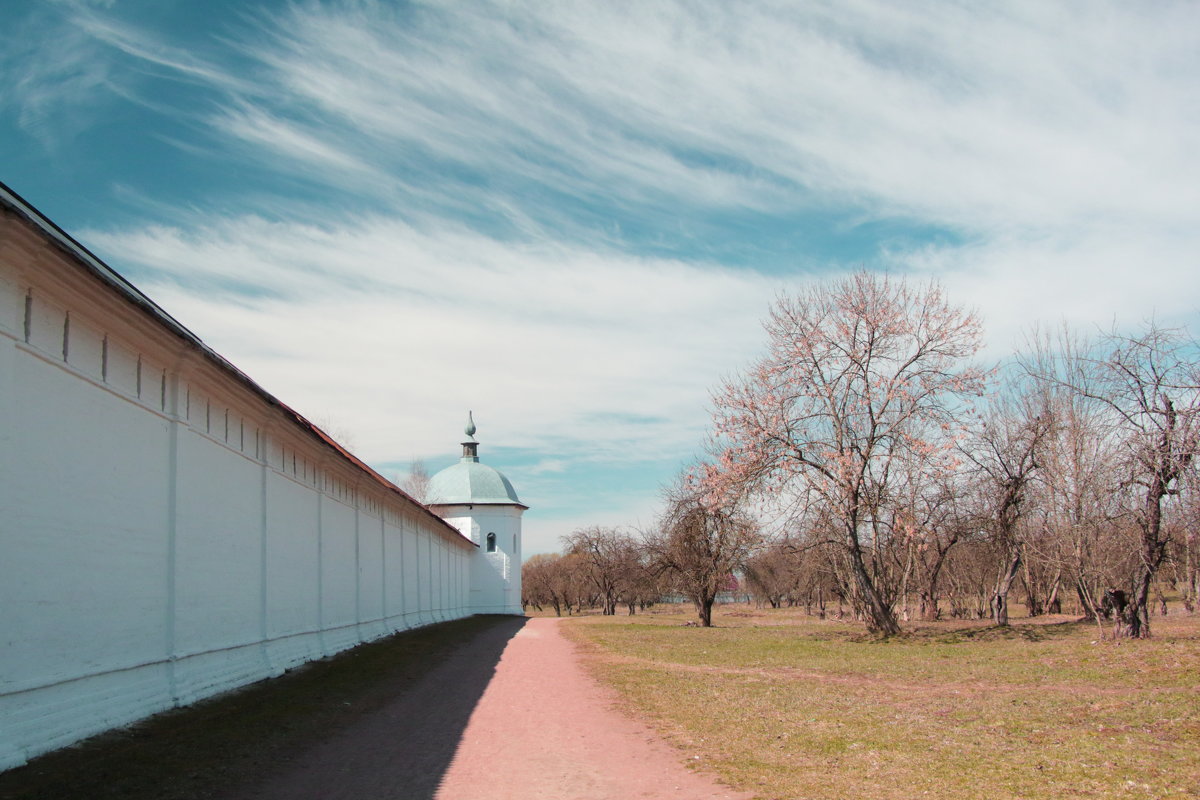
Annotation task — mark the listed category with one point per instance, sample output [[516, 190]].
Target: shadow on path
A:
[[401, 747], [381, 721]]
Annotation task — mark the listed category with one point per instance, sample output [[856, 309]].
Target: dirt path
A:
[[545, 729], [510, 715]]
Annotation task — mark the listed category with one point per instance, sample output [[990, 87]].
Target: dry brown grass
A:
[[793, 707]]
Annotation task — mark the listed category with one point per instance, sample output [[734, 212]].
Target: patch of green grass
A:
[[791, 707]]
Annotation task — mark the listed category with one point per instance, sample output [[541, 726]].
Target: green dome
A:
[[469, 482]]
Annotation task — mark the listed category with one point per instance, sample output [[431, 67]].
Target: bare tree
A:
[[772, 575], [1074, 495], [1149, 385], [1005, 449], [538, 587], [939, 518], [639, 585], [334, 429], [605, 556], [1185, 561], [416, 485], [699, 545], [556, 580], [970, 576], [861, 374]]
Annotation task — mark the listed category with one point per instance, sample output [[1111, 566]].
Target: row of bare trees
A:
[[693, 553], [955, 564], [893, 475], [599, 568]]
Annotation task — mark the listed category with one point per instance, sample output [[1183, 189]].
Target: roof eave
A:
[[479, 503]]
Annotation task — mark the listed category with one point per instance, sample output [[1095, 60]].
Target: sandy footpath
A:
[[545, 729]]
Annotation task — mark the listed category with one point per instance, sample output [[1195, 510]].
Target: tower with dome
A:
[[482, 504]]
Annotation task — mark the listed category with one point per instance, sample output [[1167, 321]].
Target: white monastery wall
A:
[[167, 529]]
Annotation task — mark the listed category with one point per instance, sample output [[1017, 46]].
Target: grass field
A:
[[792, 707]]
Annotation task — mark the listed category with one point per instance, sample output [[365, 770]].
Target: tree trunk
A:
[[929, 598], [1138, 618], [878, 615], [1153, 550], [1033, 600], [1000, 598], [911, 558], [1053, 604], [1090, 611], [929, 606], [704, 607]]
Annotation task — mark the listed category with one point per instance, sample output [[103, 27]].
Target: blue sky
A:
[[570, 217]]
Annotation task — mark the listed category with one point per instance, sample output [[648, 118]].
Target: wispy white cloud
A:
[[401, 326], [548, 465], [149, 49], [986, 121], [1108, 277], [980, 118], [287, 139], [50, 78], [65, 64]]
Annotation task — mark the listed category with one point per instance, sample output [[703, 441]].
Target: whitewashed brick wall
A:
[[167, 532]]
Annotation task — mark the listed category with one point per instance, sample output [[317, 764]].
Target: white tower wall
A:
[[495, 575]]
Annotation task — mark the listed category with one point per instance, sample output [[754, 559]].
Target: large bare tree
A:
[[861, 373]]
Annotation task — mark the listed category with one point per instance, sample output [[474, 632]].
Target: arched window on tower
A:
[[491, 542]]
